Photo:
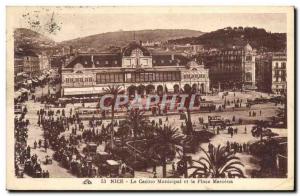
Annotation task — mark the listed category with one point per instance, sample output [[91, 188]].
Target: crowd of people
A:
[[68, 151], [25, 161]]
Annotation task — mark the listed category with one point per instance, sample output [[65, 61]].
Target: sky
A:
[[80, 24]]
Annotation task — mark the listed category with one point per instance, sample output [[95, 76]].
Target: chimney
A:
[[92, 59]]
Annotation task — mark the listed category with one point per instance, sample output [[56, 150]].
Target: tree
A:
[[217, 164], [188, 90], [261, 130], [114, 91], [123, 131], [166, 143], [136, 121]]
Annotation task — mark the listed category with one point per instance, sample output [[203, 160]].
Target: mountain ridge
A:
[[258, 38]]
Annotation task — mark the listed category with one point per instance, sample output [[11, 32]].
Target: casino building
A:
[[135, 69]]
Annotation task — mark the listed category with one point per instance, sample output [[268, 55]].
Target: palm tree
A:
[[217, 164], [114, 91], [136, 121], [188, 90], [123, 131], [164, 146], [261, 130]]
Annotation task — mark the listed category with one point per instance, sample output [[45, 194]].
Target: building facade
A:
[[31, 64], [135, 69], [44, 61], [231, 67], [263, 72], [18, 68], [279, 85]]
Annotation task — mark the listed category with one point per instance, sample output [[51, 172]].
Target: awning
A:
[[82, 91], [20, 74], [24, 90], [17, 94]]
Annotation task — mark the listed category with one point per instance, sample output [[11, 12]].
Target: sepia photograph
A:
[[150, 98]]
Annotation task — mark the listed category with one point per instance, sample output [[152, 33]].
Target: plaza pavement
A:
[[268, 110]]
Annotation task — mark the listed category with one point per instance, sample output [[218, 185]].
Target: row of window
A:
[[137, 77], [79, 80], [279, 79], [98, 62], [279, 73], [192, 76], [280, 65]]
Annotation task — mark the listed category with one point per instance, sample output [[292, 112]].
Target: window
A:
[[111, 78], [178, 76], [160, 78], [248, 58], [102, 78], [173, 76], [283, 64], [116, 62], [137, 77], [106, 62], [106, 78], [97, 62], [169, 77], [156, 77], [150, 77]]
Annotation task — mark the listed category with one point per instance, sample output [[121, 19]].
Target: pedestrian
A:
[[154, 175], [40, 143], [173, 167], [154, 168]]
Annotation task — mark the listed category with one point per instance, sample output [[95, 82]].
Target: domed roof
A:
[[248, 47], [132, 46]]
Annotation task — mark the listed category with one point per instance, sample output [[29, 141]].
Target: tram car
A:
[[207, 106]]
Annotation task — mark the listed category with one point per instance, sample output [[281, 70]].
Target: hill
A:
[[27, 39], [227, 37], [121, 38]]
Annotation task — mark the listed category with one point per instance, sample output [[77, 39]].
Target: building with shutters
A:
[[231, 67]]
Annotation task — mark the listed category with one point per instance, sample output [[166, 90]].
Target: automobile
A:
[[91, 148], [113, 168]]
